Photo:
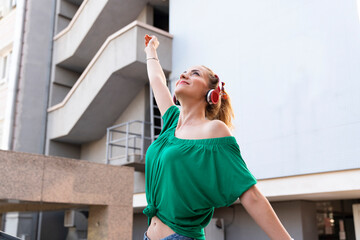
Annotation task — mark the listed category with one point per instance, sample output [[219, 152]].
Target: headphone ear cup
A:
[[215, 97], [212, 97]]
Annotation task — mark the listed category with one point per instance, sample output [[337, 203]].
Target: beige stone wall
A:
[[34, 182]]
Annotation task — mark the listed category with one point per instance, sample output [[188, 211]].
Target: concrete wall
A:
[[147, 15], [30, 123], [139, 225], [62, 82], [298, 217], [65, 12], [290, 68], [62, 149], [96, 151]]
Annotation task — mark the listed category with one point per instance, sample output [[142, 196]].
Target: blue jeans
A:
[[174, 236]]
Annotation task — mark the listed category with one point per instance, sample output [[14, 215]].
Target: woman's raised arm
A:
[[157, 77]]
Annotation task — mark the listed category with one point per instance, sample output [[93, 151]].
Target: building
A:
[[74, 84]]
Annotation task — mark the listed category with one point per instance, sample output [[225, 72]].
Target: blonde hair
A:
[[222, 110]]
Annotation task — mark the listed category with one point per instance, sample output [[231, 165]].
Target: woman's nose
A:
[[183, 75]]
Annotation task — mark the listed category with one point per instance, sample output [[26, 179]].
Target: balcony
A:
[[108, 84], [126, 144], [76, 45]]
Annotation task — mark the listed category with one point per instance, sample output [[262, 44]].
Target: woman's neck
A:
[[191, 114]]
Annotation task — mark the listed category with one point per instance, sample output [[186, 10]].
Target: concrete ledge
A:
[[34, 207], [48, 179], [32, 182], [66, 180], [319, 186], [314, 187]]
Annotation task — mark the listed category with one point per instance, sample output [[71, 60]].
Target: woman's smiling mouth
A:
[[183, 82]]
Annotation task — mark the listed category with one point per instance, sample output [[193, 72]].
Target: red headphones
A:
[[211, 97]]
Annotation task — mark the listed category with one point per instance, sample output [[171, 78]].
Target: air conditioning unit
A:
[[69, 218]]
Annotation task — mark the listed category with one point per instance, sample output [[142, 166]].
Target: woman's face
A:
[[192, 83]]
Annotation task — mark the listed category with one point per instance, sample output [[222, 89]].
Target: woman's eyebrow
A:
[[194, 70]]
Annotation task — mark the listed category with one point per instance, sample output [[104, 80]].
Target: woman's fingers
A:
[[147, 39], [152, 40]]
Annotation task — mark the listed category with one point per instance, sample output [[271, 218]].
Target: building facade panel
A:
[[287, 72]]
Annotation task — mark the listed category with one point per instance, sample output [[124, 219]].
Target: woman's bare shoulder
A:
[[217, 128]]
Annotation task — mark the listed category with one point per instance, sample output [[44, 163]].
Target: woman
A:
[[195, 164]]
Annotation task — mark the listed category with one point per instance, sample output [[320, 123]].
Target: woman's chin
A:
[[179, 90]]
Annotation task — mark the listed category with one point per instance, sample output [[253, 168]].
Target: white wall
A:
[[292, 71]]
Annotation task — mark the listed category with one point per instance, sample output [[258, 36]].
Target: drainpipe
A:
[[49, 72], [15, 67]]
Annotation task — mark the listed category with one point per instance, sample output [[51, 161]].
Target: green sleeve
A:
[[233, 176], [170, 118]]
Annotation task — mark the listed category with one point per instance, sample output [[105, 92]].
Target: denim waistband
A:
[[174, 236]]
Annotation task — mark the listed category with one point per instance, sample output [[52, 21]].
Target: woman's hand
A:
[[151, 43], [156, 75]]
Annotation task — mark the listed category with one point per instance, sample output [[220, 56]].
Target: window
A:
[[6, 6], [13, 3], [1, 130], [161, 18], [5, 67], [1, 11]]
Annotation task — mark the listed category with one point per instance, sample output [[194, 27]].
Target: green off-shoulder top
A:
[[185, 179]]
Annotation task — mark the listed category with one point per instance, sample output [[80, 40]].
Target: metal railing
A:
[[127, 140]]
